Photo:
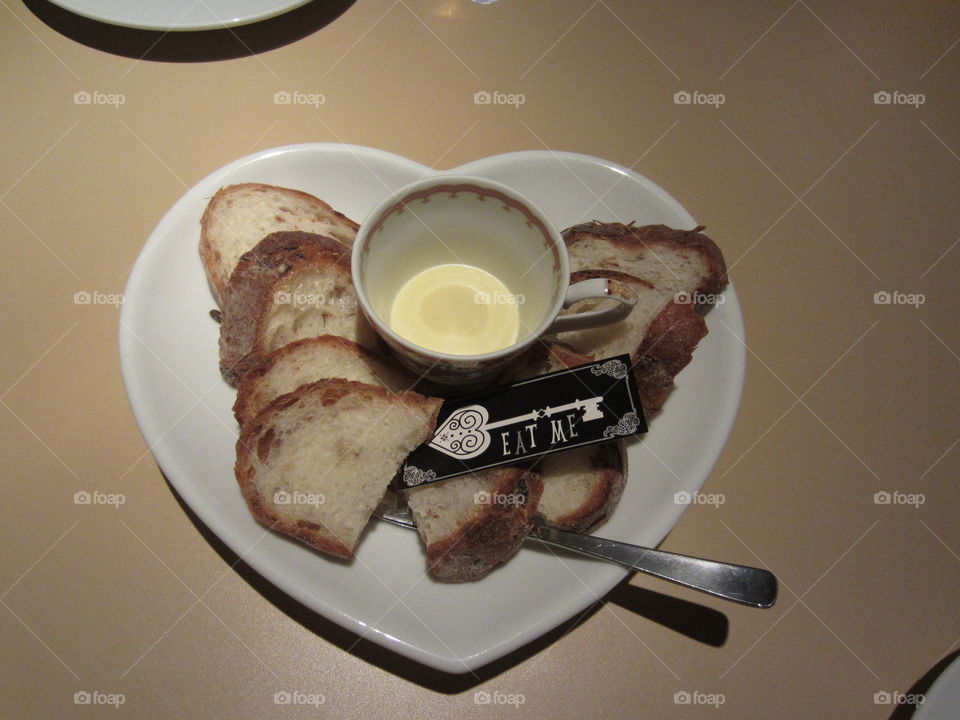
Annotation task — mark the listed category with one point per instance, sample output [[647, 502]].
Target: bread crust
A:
[[249, 294], [495, 532], [625, 239], [608, 460], [210, 252], [667, 345], [255, 438], [609, 463], [666, 349], [243, 407]]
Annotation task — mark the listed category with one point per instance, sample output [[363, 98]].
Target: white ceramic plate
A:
[[179, 14], [942, 701], [168, 349]]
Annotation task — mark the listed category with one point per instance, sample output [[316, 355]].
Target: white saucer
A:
[[179, 14]]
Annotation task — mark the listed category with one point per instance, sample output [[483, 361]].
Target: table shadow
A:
[[191, 46], [698, 622]]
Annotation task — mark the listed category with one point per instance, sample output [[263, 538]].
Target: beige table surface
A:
[[820, 197]]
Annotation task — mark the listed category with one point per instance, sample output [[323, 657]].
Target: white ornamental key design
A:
[[466, 433]]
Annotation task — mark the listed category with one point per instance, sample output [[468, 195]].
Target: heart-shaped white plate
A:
[[168, 352]]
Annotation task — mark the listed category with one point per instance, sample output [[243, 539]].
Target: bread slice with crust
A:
[[581, 486], [308, 360], [660, 333], [472, 523], [316, 462], [240, 216], [673, 274], [619, 337], [666, 349], [675, 261], [292, 285]]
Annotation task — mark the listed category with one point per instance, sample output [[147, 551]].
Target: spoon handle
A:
[[746, 585]]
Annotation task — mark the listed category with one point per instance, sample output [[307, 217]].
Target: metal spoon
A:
[[741, 584]]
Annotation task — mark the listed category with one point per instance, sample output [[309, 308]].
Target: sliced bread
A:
[[472, 523], [660, 333], [666, 349], [292, 285], [316, 462], [310, 359], [675, 261], [582, 486], [239, 216]]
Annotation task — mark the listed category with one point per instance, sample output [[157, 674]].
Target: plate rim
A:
[[944, 690], [82, 9]]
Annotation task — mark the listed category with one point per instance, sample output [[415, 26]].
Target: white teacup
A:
[[456, 220]]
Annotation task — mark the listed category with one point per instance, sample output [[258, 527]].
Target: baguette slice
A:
[[675, 261], [316, 462], [660, 333], [308, 360], [292, 285], [239, 216], [472, 523], [581, 486]]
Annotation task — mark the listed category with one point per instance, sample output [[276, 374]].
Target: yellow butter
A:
[[456, 309]]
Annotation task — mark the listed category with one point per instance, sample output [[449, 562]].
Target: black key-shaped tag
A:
[[511, 424]]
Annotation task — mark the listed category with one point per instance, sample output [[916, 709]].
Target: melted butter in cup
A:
[[456, 309]]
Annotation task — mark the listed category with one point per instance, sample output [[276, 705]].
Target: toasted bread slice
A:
[[581, 486], [675, 261], [240, 216], [316, 462], [660, 333], [292, 285], [666, 349], [472, 523], [619, 337], [308, 360]]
